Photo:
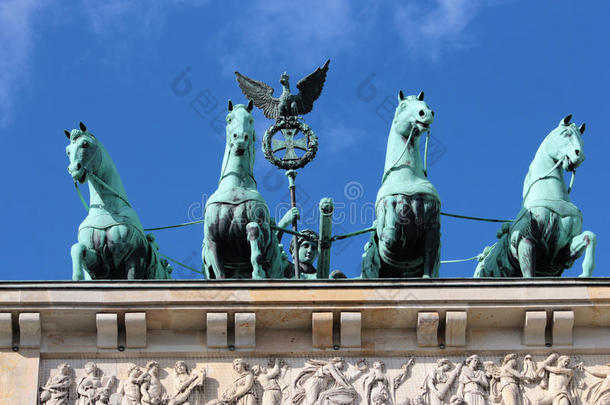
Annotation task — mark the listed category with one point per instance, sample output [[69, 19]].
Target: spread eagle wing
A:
[[261, 95], [310, 88]]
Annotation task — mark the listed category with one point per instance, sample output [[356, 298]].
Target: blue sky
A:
[[498, 74]]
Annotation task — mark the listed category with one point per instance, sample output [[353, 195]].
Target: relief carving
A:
[[57, 389], [242, 391], [599, 392], [94, 388], [439, 382], [325, 382], [268, 378], [473, 384], [189, 384], [506, 381], [152, 391], [376, 386], [129, 389], [558, 379]]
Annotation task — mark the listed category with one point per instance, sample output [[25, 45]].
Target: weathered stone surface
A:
[[107, 331], [351, 329], [455, 328], [427, 329], [29, 330], [563, 323], [245, 330], [135, 329], [6, 330], [216, 330], [534, 328], [322, 330]]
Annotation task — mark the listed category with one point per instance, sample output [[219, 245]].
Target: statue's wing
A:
[[261, 95], [310, 88]]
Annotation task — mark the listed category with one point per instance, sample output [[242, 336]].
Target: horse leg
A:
[[586, 241], [387, 227], [78, 252], [255, 237], [212, 259], [527, 257], [431, 253]]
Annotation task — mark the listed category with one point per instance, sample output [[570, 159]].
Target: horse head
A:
[[564, 144], [84, 153], [240, 129], [412, 114]]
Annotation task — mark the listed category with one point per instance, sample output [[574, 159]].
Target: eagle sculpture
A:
[[310, 88]]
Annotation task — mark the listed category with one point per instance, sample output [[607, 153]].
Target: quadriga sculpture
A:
[[546, 237], [238, 241], [111, 241], [407, 240]]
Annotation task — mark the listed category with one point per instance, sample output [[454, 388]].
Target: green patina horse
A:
[[547, 237], [111, 241], [406, 242], [238, 240]]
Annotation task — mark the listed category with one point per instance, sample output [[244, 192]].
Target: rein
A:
[[94, 177], [394, 167], [559, 162], [232, 173]]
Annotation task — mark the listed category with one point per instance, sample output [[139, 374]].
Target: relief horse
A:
[[406, 242], [547, 237], [238, 240], [111, 241]]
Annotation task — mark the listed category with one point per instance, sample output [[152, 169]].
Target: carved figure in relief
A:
[[404, 373], [325, 383], [268, 380], [505, 384], [558, 378], [376, 386], [188, 385], [472, 388], [57, 389], [438, 383], [152, 391], [242, 391], [90, 388], [130, 390], [599, 392]]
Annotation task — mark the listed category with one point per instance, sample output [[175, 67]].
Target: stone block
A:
[[534, 328], [351, 329], [455, 328], [135, 329], [29, 330], [245, 330], [322, 330], [216, 330], [107, 331], [563, 323], [6, 330], [427, 329]]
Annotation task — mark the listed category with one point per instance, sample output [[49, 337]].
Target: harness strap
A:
[[426, 154], [80, 195], [108, 187], [394, 167]]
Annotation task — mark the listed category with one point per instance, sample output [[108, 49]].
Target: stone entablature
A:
[[123, 326]]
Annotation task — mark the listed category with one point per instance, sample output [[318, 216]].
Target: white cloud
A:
[[16, 35], [429, 30]]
